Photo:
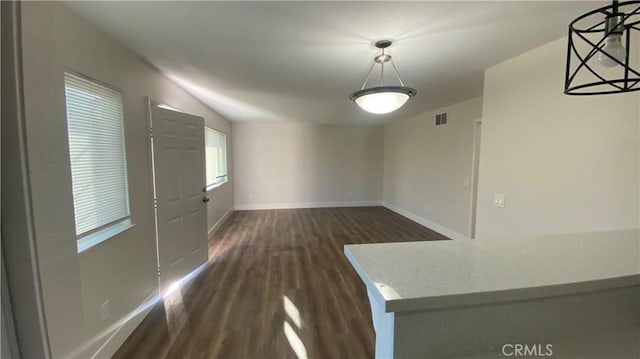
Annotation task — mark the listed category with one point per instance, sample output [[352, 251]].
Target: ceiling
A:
[[299, 61]]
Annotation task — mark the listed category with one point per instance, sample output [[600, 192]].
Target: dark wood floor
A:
[[277, 286]]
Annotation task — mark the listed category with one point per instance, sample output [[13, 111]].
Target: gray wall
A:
[[22, 275], [8, 345], [565, 163], [427, 168], [287, 164], [122, 269]]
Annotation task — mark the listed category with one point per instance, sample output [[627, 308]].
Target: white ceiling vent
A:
[[441, 119]]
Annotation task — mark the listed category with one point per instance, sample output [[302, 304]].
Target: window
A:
[[98, 162], [216, 155]]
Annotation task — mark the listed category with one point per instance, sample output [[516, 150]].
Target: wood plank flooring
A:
[[277, 286]]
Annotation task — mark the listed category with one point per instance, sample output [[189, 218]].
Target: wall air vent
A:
[[441, 119]]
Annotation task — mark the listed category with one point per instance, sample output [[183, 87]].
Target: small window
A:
[[216, 155], [98, 161]]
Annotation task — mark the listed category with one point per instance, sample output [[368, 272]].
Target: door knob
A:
[[206, 199]]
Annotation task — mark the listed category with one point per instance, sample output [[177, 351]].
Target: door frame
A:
[[149, 102], [475, 167]]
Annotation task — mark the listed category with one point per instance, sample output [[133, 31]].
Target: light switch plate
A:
[[498, 200]]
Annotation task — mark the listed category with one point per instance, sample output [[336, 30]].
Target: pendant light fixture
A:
[[383, 98], [600, 44]]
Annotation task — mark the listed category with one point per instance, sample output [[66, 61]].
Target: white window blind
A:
[[216, 155], [97, 151]]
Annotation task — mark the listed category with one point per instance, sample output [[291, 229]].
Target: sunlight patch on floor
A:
[[294, 340], [174, 311], [292, 312]]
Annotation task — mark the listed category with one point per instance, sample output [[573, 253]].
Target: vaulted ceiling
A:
[[299, 61]]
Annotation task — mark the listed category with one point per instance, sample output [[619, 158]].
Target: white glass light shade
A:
[[383, 99], [382, 102]]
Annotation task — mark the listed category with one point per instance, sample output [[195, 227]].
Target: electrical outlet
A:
[[250, 196], [105, 310], [498, 200]]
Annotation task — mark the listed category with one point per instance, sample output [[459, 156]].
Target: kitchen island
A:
[[572, 295]]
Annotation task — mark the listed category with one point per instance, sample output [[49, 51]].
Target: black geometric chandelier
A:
[[384, 98], [600, 43]]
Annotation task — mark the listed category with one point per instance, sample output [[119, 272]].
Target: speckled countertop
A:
[[428, 275]]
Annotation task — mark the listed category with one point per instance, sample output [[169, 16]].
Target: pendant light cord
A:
[[393, 66], [368, 75], [382, 69]]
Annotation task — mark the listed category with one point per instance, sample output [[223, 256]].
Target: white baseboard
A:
[[106, 343], [425, 222], [252, 207], [215, 227]]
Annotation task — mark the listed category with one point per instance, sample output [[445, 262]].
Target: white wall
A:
[[427, 169], [22, 275], [285, 164], [565, 164], [122, 269]]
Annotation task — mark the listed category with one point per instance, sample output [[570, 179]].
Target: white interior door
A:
[[179, 186]]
